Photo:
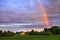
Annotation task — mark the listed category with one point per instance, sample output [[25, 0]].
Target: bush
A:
[[45, 33], [1, 34], [8, 33], [17, 32], [31, 32], [48, 33]]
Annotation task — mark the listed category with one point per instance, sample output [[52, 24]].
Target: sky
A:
[[28, 13]]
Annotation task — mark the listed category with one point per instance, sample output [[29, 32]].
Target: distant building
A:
[[22, 33]]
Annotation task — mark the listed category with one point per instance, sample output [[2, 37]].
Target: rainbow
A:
[[44, 13]]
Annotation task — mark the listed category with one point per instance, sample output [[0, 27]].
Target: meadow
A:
[[31, 37]]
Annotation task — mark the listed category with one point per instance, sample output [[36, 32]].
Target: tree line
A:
[[54, 30], [6, 33]]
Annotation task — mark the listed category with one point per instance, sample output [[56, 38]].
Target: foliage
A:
[[47, 31], [6, 33], [53, 29], [31, 37], [17, 32]]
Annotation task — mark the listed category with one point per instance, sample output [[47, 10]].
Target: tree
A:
[[17, 32], [55, 30], [4, 33], [45, 29], [31, 32], [1, 34]]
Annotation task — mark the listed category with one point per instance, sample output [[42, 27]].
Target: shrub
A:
[[8, 33], [1, 34], [46, 33]]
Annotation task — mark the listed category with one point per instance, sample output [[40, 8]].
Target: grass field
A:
[[33, 37]]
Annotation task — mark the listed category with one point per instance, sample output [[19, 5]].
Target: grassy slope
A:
[[35, 37]]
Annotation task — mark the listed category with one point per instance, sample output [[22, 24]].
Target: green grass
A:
[[33, 37]]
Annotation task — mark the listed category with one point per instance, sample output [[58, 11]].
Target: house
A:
[[22, 33]]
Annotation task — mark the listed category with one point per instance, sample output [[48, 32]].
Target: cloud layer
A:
[[29, 11]]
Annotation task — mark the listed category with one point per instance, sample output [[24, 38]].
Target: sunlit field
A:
[[31, 37]]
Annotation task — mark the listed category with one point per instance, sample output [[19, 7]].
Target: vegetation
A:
[[31, 37], [6, 33], [52, 33], [54, 30]]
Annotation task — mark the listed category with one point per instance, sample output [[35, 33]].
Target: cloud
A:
[[20, 11], [28, 11], [53, 12]]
